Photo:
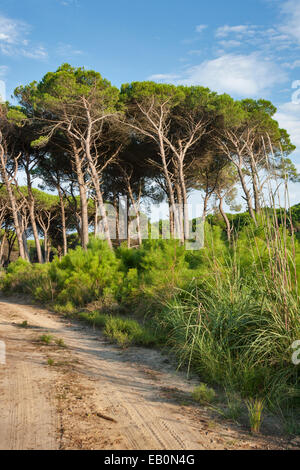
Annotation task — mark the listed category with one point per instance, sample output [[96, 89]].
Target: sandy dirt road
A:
[[93, 395]]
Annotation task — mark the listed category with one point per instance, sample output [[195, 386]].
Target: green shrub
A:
[[127, 332], [67, 309], [94, 318], [203, 394], [47, 339], [83, 276], [27, 278]]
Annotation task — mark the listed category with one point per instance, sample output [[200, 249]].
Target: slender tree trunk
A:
[[180, 215], [31, 207], [171, 217], [128, 222], [24, 237], [3, 241], [184, 201], [116, 207], [45, 245], [255, 186], [63, 220], [247, 193], [83, 200], [96, 231], [136, 211], [205, 206], [48, 251], [96, 183], [14, 210], [224, 215], [11, 243], [169, 182]]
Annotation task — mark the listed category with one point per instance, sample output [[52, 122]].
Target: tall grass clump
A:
[[236, 327]]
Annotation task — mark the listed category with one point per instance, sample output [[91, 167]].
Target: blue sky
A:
[[248, 49]]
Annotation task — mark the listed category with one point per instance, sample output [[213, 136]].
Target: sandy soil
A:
[[93, 395]]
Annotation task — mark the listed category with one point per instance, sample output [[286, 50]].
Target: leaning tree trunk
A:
[[247, 193], [13, 204]]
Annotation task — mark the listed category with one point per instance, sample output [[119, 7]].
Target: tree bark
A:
[[13, 205], [3, 241], [31, 210], [224, 215], [84, 230], [247, 193], [63, 220]]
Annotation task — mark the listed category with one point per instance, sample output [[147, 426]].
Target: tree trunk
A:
[[84, 230], [180, 228], [24, 237], [127, 222], [224, 215], [45, 245], [247, 193], [255, 186], [3, 241], [136, 211], [31, 207], [184, 200], [116, 206], [14, 209], [96, 183], [205, 206], [169, 182], [63, 220]]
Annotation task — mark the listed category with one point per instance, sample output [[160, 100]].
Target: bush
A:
[[27, 278], [203, 394], [94, 318], [83, 276], [127, 332]]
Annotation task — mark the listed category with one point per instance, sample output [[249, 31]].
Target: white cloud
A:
[[240, 30], [36, 53], [67, 49], [240, 75], [13, 39], [230, 43], [163, 77], [291, 12], [11, 31], [3, 70], [293, 65], [288, 116], [200, 28]]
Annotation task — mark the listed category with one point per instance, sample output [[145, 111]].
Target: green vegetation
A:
[[46, 339], [126, 331], [255, 409], [228, 312], [204, 394]]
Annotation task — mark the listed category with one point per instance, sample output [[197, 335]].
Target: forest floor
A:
[[90, 394]]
